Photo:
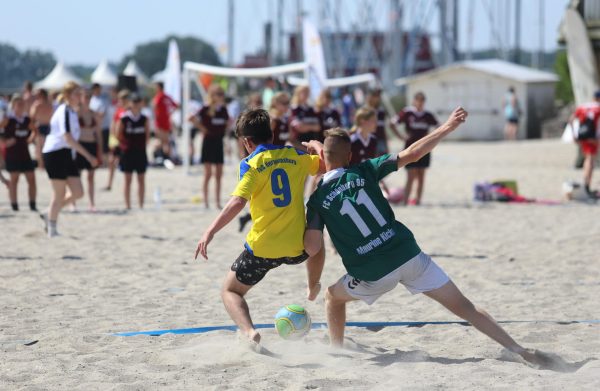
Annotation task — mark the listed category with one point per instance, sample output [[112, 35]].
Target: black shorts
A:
[[133, 160], [193, 132], [60, 164], [81, 161], [44, 129], [212, 151], [513, 121], [250, 269], [421, 163], [19, 165]]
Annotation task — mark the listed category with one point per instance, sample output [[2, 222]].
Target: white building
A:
[[480, 87]]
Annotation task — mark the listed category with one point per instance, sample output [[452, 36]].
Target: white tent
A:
[[104, 75], [57, 78], [132, 69]]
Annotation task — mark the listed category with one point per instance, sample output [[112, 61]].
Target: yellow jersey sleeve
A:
[[311, 163], [248, 183]]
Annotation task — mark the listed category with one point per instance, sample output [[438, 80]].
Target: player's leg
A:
[[410, 178], [91, 189], [112, 165], [420, 177], [59, 188], [336, 298], [31, 189], [39, 144], [233, 298], [12, 189], [314, 269], [588, 167], [218, 175], [127, 189], [141, 179], [452, 298], [207, 176], [75, 190]]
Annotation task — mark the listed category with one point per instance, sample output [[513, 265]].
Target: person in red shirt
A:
[[163, 108], [417, 121], [363, 142], [329, 116], [589, 147]]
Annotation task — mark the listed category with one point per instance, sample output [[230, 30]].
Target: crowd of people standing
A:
[[82, 129]]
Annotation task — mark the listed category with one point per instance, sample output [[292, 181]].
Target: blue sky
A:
[[86, 32]]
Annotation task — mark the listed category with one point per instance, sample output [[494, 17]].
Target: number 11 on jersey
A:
[[349, 210]]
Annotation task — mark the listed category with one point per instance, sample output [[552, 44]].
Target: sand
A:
[[113, 271]]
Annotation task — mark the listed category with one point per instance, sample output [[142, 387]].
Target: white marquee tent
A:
[[104, 75], [58, 77], [132, 69]]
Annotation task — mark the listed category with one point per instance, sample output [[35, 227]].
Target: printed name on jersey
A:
[[273, 162], [357, 183], [374, 243]]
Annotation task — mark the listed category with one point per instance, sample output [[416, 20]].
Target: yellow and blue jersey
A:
[[272, 180]]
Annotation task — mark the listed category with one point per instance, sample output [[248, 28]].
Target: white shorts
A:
[[420, 274]]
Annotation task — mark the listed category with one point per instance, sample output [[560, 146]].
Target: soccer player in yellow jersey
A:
[[272, 179]]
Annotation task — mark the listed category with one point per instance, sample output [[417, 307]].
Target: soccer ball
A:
[[292, 322]]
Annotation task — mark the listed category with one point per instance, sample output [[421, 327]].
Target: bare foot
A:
[[250, 339], [313, 292]]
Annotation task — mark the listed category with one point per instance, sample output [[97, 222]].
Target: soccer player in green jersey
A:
[[379, 252]]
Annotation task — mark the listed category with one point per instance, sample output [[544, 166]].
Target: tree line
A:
[[18, 66]]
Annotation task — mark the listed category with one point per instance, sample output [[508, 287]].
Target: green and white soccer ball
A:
[[292, 322]]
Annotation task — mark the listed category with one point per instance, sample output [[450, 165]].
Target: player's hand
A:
[[94, 162], [313, 147], [203, 245], [457, 117]]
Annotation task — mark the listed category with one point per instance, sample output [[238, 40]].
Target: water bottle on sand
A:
[[157, 198]]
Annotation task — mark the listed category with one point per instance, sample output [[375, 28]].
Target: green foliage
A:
[[16, 67], [564, 87], [151, 56]]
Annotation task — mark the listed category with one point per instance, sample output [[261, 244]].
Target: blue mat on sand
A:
[[368, 325]]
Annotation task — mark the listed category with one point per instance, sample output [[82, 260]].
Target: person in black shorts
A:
[[133, 132], [58, 153], [18, 132], [417, 122], [213, 122], [91, 140]]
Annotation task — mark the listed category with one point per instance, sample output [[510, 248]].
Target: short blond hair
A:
[[69, 88]]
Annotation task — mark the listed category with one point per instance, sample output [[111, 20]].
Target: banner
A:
[[314, 57], [172, 75]]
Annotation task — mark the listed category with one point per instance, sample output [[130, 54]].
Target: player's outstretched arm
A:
[[425, 145], [313, 240], [233, 207], [315, 147]]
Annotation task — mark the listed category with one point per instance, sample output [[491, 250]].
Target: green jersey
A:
[[360, 221]]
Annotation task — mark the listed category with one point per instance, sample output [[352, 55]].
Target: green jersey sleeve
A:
[[383, 165], [313, 219]]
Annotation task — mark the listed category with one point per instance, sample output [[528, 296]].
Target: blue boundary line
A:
[[320, 325]]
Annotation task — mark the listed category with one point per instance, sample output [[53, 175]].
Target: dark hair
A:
[[374, 92], [160, 85], [419, 96], [254, 124], [95, 86], [43, 92]]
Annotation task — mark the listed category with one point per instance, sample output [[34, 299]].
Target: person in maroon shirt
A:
[[18, 131], [133, 132], [417, 123], [280, 105], [363, 141], [329, 117], [213, 121], [304, 122]]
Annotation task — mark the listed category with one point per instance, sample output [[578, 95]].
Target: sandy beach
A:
[[115, 271]]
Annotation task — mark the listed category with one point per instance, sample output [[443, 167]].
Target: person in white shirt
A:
[[59, 152], [100, 105]]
